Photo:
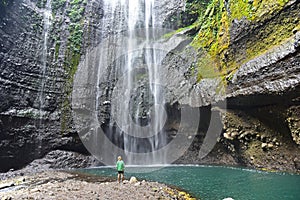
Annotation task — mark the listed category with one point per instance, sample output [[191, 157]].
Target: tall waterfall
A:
[[118, 94], [137, 110]]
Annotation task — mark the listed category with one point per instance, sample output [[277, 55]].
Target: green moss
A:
[[240, 9], [57, 4], [72, 56], [213, 38], [76, 13], [41, 3], [214, 33], [170, 34], [271, 36], [263, 8]]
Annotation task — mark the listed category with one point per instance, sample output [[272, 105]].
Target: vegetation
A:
[[57, 4], [41, 3], [213, 38], [72, 54]]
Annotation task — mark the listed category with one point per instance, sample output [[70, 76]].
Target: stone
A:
[[6, 185], [133, 180], [6, 198], [137, 184], [264, 145], [297, 163], [227, 136]]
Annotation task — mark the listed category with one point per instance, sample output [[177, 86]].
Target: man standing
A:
[[120, 168]]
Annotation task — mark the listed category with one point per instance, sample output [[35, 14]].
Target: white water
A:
[[43, 69], [139, 54], [47, 23]]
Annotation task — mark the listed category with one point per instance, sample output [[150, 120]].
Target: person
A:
[[120, 168]]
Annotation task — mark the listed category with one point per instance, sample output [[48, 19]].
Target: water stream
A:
[[47, 23], [43, 70]]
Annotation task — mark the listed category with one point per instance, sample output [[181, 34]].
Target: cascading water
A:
[[43, 69], [118, 90], [137, 113], [47, 23]]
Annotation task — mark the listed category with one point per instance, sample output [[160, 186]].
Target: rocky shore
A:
[[66, 185]]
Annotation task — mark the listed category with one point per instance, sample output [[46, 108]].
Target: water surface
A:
[[214, 182]]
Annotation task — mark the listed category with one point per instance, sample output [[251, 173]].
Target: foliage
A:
[[214, 32], [75, 13], [193, 9], [72, 54], [41, 3], [57, 4]]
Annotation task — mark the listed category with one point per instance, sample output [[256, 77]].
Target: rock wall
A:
[[36, 76], [255, 57], [37, 69], [248, 60]]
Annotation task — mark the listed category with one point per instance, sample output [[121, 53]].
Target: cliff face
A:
[[38, 54], [42, 43], [254, 55], [244, 54]]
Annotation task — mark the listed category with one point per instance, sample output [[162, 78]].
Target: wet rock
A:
[[297, 163], [294, 123]]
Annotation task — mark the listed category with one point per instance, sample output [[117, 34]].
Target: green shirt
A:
[[120, 165]]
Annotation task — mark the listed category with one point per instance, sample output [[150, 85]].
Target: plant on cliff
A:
[[213, 38], [41, 3], [72, 54], [57, 4]]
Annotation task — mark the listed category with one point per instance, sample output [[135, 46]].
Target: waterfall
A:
[[137, 112], [43, 69], [47, 23], [118, 96]]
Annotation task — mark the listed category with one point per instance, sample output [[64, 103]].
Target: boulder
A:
[[297, 163], [133, 180]]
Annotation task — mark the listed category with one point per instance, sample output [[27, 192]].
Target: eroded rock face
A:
[[294, 123], [261, 125], [35, 80], [261, 88], [37, 72], [274, 72]]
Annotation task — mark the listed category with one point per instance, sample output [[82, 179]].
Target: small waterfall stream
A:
[[43, 69], [47, 23]]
